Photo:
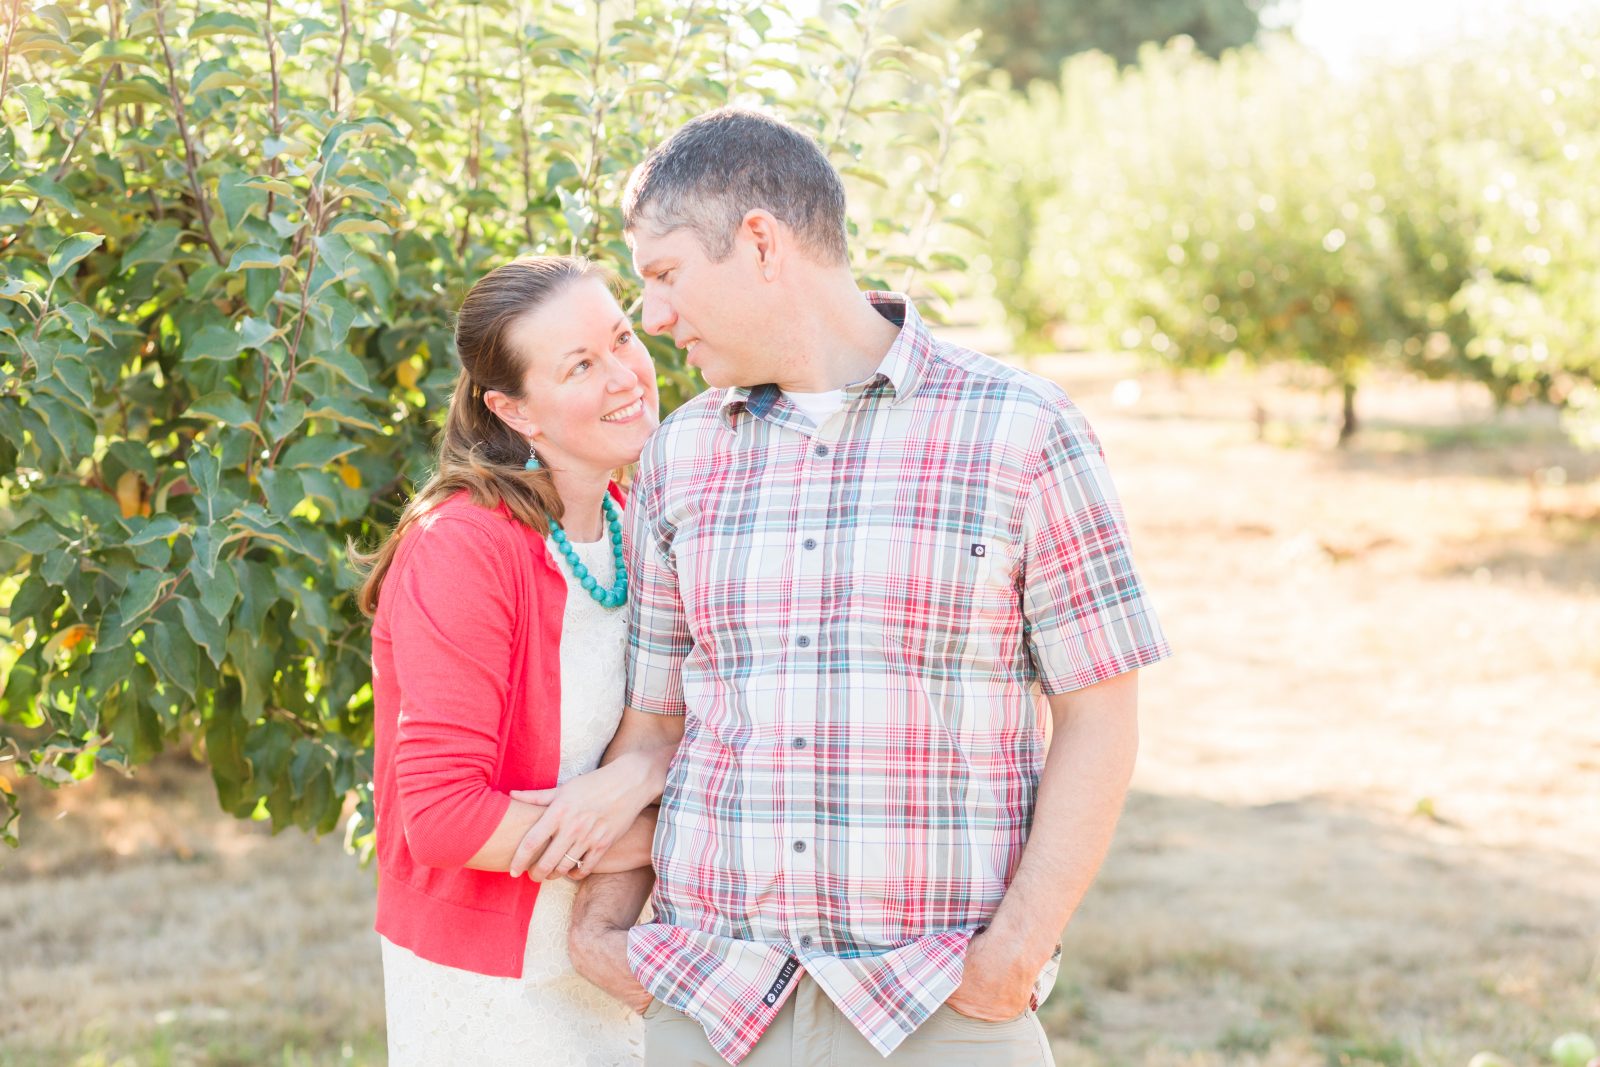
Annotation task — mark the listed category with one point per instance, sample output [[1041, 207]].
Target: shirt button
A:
[[811, 542], [822, 450], [805, 941], [804, 642], [799, 846], [799, 742]]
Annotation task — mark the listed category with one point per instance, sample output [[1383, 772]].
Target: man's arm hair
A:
[[608, 905]]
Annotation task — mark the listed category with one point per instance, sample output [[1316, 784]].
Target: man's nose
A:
[[656, 315]]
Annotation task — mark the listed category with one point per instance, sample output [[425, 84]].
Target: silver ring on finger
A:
[[577, 861]]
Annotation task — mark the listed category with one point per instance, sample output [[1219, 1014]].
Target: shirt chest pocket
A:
[[932, 585]]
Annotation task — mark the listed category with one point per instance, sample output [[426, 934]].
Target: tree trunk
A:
[[1347, 424]]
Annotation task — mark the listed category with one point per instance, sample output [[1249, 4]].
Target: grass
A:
[[169, 1047]]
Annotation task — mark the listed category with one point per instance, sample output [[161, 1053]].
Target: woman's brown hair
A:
[[477, 451]]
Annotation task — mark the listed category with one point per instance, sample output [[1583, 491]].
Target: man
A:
[[852, 561]]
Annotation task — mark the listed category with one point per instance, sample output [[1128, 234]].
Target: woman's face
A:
[[589, 395]]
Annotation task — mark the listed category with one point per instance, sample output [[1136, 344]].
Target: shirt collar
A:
[[903, 367]]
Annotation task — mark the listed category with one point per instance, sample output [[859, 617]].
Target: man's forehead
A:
[[650, 248]]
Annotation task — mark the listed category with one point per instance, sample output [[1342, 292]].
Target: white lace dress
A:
[[549, 1017]]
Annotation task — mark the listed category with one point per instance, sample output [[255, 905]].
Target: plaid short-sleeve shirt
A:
[[852, 618]]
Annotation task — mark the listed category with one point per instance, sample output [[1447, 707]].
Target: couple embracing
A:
[[847, 695]]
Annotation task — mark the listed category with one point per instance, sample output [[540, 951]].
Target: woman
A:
[[497, 661]]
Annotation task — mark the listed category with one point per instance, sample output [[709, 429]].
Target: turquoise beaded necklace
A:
[[617, 595]]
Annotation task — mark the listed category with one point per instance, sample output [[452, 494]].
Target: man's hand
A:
[[597, 939], [601, 956], [996, 983]]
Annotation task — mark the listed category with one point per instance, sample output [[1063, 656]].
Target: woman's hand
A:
[[583, 817]]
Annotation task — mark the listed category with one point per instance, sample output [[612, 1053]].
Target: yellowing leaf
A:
[[66, 640], [350, 475], [406, 374], [5, 785], [130, 493]]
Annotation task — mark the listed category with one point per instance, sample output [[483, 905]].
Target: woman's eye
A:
[[581, 366], [625, 337]]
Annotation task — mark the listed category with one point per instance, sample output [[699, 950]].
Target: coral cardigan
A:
[[466, 679]]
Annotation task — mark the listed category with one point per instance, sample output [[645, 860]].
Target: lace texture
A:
[[550, 1016]]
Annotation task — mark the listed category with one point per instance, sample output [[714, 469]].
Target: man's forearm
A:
[[1081, 792]]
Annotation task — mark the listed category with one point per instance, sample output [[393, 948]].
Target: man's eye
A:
[[664, 277], [581, 365], [625, 337]]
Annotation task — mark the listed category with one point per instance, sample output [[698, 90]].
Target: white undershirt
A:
[[817, 406]]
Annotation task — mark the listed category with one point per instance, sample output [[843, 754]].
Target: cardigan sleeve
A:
[[451, 627]]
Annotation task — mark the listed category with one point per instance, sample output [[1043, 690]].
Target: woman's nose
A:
[[621, 376]]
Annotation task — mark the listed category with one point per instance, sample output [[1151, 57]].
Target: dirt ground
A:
[[1365, 825]]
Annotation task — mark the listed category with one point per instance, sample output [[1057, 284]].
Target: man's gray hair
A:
[[728, 162]]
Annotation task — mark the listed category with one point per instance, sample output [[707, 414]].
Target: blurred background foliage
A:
[[232, 235], [1430, 213]]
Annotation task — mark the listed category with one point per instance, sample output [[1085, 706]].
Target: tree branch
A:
[[189, 151]]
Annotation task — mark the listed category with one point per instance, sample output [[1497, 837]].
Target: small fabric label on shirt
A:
[[790, 966], [980, 550]]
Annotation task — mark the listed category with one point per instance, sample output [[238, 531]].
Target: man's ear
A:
[[768, 241], [509, 412]]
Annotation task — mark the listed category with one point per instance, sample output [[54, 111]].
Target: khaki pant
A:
[[810, 1032]]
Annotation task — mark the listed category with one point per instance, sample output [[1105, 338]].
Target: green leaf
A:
[[267, 747], [204, 471], [343, 410], [318, 451], [253, 656], [155, 245], [140, 594], [156, 528], [359, 222], [175, 656], [222, 23], [71, 250], [212, 342], [258, 593], [225, 734], [309, 759], [206, 547], [218, 590], [139, 89], [340, 131], [38, 106], [226, 409], [239, 197], [53, 191], [215, 74], [865, 174], [32, 596], [57, 19], [18, 291], [207, 632], [270, 184], [283, 490], [284, 419], [104, 53], [254, 332], [257, 255], [36, 537], [83, 323]]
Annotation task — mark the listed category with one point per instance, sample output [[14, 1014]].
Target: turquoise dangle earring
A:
[[617, 595]]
